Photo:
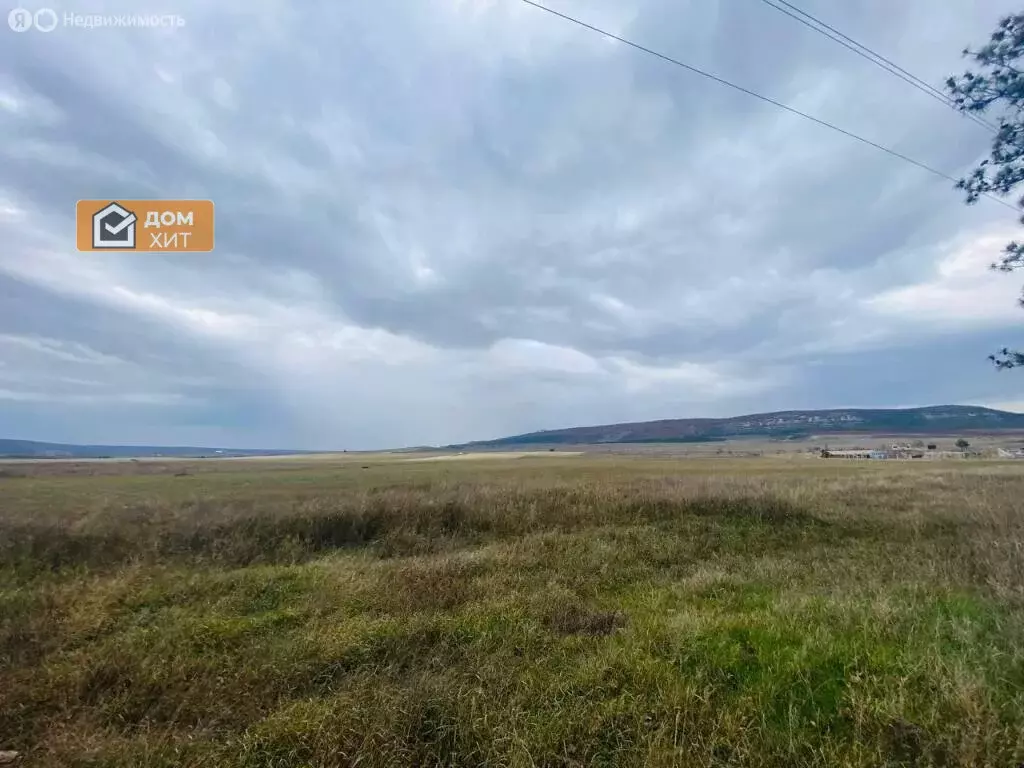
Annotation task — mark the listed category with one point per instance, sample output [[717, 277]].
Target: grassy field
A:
[[540, 611]]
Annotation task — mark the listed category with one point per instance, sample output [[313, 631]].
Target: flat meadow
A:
[[577, 610]]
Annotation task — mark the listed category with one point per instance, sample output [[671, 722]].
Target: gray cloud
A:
[[458, 218]]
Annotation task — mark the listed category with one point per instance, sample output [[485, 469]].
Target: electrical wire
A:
[[754, 94], [874, 57]]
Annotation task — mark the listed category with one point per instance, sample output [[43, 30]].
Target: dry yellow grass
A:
[[494, 456], [578, 610]]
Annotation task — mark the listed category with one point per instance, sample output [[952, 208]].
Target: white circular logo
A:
[[46, 20], [19, 20]]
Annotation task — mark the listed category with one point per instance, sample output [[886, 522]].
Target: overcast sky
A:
[[443, 220]]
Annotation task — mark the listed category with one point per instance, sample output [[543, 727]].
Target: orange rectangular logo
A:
[[144, 225]]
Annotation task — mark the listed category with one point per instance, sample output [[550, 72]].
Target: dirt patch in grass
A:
[[577, 620]]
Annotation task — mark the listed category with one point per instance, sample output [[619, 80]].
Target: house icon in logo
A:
[[113, 226]]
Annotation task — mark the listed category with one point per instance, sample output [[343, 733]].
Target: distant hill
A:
[[933, 420], [30, 449]]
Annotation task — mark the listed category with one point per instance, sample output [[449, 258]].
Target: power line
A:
[[758, 96], [874, 57]]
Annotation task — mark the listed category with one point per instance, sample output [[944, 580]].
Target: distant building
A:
[[847, 454], [860, 453]]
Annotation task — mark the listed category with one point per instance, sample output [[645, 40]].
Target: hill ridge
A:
[[10, 448], [935, 419]]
